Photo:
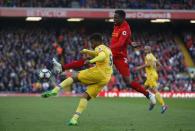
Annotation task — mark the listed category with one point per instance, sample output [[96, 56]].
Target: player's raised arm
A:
[[89, 52], [99, 58]]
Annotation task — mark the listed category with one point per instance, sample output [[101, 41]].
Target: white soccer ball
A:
[[44, 74]]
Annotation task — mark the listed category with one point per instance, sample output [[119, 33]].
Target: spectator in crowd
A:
[[189, 40]]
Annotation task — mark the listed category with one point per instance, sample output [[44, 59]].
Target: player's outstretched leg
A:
[[139, 88], [81, 107], [66, 83], [161, 101]]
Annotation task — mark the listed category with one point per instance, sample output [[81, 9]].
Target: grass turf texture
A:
[[102, 114]]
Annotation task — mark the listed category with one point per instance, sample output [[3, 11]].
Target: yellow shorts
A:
[[151, 80], [94, 80]]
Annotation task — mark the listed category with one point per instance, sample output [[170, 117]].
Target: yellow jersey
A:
[[105, 66], [151, 60]]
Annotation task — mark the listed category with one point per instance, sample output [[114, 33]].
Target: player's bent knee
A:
[[86, 96], [75, 77], [126, 79]]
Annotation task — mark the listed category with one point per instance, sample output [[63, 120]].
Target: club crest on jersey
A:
[[124, 33]]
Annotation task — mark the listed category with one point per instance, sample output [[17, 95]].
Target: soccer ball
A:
[[44, 74]]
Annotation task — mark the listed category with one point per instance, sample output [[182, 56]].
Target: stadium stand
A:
[[189, 39], [26, 49], [132, 4]]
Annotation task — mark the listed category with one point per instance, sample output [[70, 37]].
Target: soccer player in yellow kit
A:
[[95, 78], [152, 77]]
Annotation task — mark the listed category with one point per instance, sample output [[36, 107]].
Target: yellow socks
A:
[[56, 89], [160, 99], [81, 107], [66, 83]]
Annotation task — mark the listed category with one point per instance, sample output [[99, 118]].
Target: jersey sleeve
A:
[[99, 49], [100, 55], [90, 52]]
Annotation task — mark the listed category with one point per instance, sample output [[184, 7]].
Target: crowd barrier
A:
[[114, 94]]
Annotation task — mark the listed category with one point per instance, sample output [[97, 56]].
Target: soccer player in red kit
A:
[[121, 38]]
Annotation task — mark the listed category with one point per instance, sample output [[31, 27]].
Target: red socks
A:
[[136, 86], [74, 64]]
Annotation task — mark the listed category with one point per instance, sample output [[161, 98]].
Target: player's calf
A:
[[81, 107], [151, 106], [152, 98]]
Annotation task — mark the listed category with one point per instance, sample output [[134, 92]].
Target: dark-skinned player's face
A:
[[117, 19], [93, 44]]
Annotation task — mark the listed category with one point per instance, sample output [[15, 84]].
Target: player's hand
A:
[[136, 44], [57, 67], [83, 51], [87, 62], [135, 69]]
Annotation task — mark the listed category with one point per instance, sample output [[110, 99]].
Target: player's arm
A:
[[122, 40], [99, 58], [136, 44], [147, 64], [159, 65], [142, 66], [89, 52]]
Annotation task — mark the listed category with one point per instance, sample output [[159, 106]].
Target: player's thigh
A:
[[151, 83], [89, 76], [93, 90], [122, 66], [155, 90]]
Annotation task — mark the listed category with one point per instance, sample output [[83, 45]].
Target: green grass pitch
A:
[[102, 114]]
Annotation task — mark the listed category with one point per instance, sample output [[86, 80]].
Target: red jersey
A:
[[121, 38]]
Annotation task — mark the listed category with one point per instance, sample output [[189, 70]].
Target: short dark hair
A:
[[96, 37], [121, 13]]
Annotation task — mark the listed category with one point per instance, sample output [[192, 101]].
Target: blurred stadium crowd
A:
[[189, 39], [128, 4], [26, 50]]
